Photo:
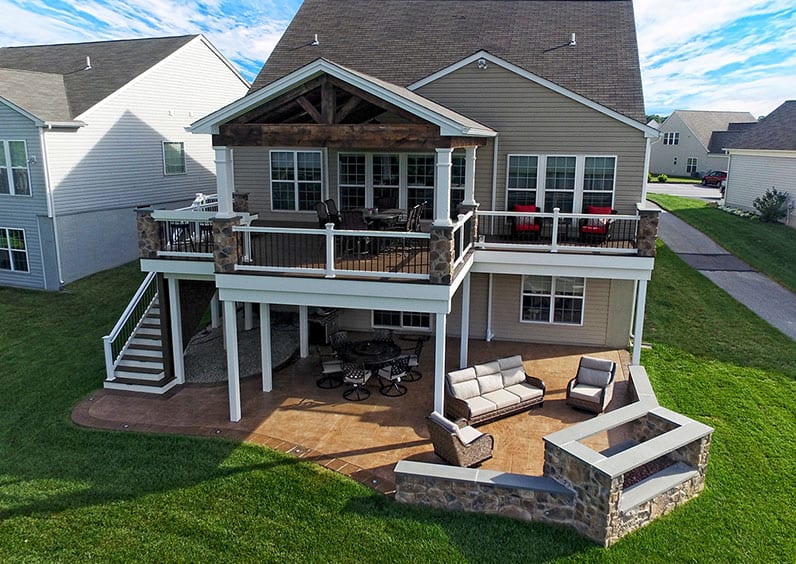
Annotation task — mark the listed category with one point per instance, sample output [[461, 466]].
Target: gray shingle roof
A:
[[704, 123], [777, 132], [403, 41], [38, 93], [113, 64]]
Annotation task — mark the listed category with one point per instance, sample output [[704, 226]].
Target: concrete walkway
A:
[[766, 298]]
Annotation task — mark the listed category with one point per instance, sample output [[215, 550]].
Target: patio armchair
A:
[[525, 228], [357, 376], [593, 386], [390, 377], [459, 445], [596, 230]]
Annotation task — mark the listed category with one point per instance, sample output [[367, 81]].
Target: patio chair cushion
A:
[[468, 435], [479, 406], [512, 370], [526, 223], [599, 210], [595, 371], [502, 398], [463, 384], [587, 393], [525, 391]]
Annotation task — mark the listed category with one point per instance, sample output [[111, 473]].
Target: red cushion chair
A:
[[597, 229], [526, 225]]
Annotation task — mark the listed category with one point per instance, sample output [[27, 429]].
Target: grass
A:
[[72, 494], [768, 247], [677, 180]]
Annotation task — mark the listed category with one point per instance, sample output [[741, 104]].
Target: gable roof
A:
[[404, 41], [703, 123], [450, 122], [113, 64], [42, 95], [777, 132]]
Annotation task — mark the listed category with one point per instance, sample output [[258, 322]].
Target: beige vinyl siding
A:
[[751, 175], [479, 288], [532, 119]]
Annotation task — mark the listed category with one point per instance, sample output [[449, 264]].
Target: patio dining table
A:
[[383, 220], [371, 354]]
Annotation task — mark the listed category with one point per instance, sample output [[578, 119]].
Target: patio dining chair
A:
[[339, 340], [390, 377], [331, 369], [334, 213], [382, 336], [357, 376], [414, 360]]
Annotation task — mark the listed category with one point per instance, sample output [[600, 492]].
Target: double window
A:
[[173, 157], [552, 299], [671, 138], [13, 251], [691, 165], [14, 173], [401, 319], [296, 180], [568, 182]]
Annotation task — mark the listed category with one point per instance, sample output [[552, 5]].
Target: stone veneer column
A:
[[240, 202], [647, 231], [225, 244], [148, 234], [440, 255], [466, 208]]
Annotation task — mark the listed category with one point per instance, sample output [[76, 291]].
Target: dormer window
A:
[[671, 138]]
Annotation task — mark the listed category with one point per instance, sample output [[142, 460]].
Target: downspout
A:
[[646, 171], [51, 203], [494, 171]]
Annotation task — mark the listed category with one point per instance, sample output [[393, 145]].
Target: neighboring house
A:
[[469, 109], [89, 132], [764, 157], [690, 141]]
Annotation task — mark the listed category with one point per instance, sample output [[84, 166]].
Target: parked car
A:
[[714, 177]]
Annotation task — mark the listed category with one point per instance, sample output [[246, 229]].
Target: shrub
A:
[[650, 177], [771, 205], [662, 178]]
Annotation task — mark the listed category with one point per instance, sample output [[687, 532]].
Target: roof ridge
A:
[[129, 39]]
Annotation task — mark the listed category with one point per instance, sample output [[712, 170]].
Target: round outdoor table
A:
[[371, 354]]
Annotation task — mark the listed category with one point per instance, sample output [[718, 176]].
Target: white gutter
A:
[[51, 204], [646, 170]]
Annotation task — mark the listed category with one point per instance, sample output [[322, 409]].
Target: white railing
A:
[[330, 252], [116, 342], [557, 231], [462, 237], [184, 233], [202, 202]]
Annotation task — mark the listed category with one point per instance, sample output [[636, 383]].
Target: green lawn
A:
[[677, 180], [72, 494], [768, 247]]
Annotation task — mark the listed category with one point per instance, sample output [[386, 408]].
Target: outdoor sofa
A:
[[484, 392]]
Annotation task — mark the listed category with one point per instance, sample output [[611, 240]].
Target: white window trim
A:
[[583, 179], [402, 327], [295, 180], [368, 178], [12, 189], [11, 257], [688, 164], [671, 138], [538, 177], [552, 303], [184, 159]]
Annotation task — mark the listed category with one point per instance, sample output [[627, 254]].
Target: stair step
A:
[[149, 324], [159, 387], [148, 332], [149, 344], [146, 365], [143, 355], [136, 376]]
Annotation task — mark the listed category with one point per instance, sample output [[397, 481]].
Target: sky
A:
[[731, 55]]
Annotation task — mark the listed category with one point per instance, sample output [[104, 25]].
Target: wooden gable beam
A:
[[328, 103], [256, 114], [350, 105], [375, 100], [310, 109]]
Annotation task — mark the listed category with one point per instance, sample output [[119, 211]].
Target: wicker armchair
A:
[[593, 386], [460, 446]]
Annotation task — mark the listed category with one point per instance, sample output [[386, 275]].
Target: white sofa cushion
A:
[[463, 384], [594, 371], [502, 398], [479, 406], [525, 391], [490, 383], [585, 392]]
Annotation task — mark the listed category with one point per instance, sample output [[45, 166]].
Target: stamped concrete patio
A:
[[361, 439]]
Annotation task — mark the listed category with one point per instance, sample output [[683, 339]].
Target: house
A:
[[691, 141], [89, 132], [764, 157], [511, 123]]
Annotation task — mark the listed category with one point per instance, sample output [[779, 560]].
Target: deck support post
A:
[[465, 328], [175, 316], [248, 316], [442, 190], [265, 346], [215, 317], [469, 176], [233, 372], [638, 331], [440, 328], [304, 332], [225, 181]]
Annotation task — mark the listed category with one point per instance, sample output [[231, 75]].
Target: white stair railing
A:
[[115, 343]]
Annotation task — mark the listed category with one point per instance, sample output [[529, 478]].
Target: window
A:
[[14, 174], [401, 319], [420, 183], [352, 181], [173, 157], [560, 184], [548, 299], [671, 138], [13, 252], [457, 183], [386, 181], [295, 180], [598, 182], [521, 180], [691, 165]]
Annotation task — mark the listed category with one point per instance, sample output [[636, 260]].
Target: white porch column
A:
[[442, 189], [265, 346], [175, 316], [489, 333], [638, 331], [469, 176], [233, 372], [440, 325], [248, 316], [465, 328], [215, 317], [225, 181], [304, 332]]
